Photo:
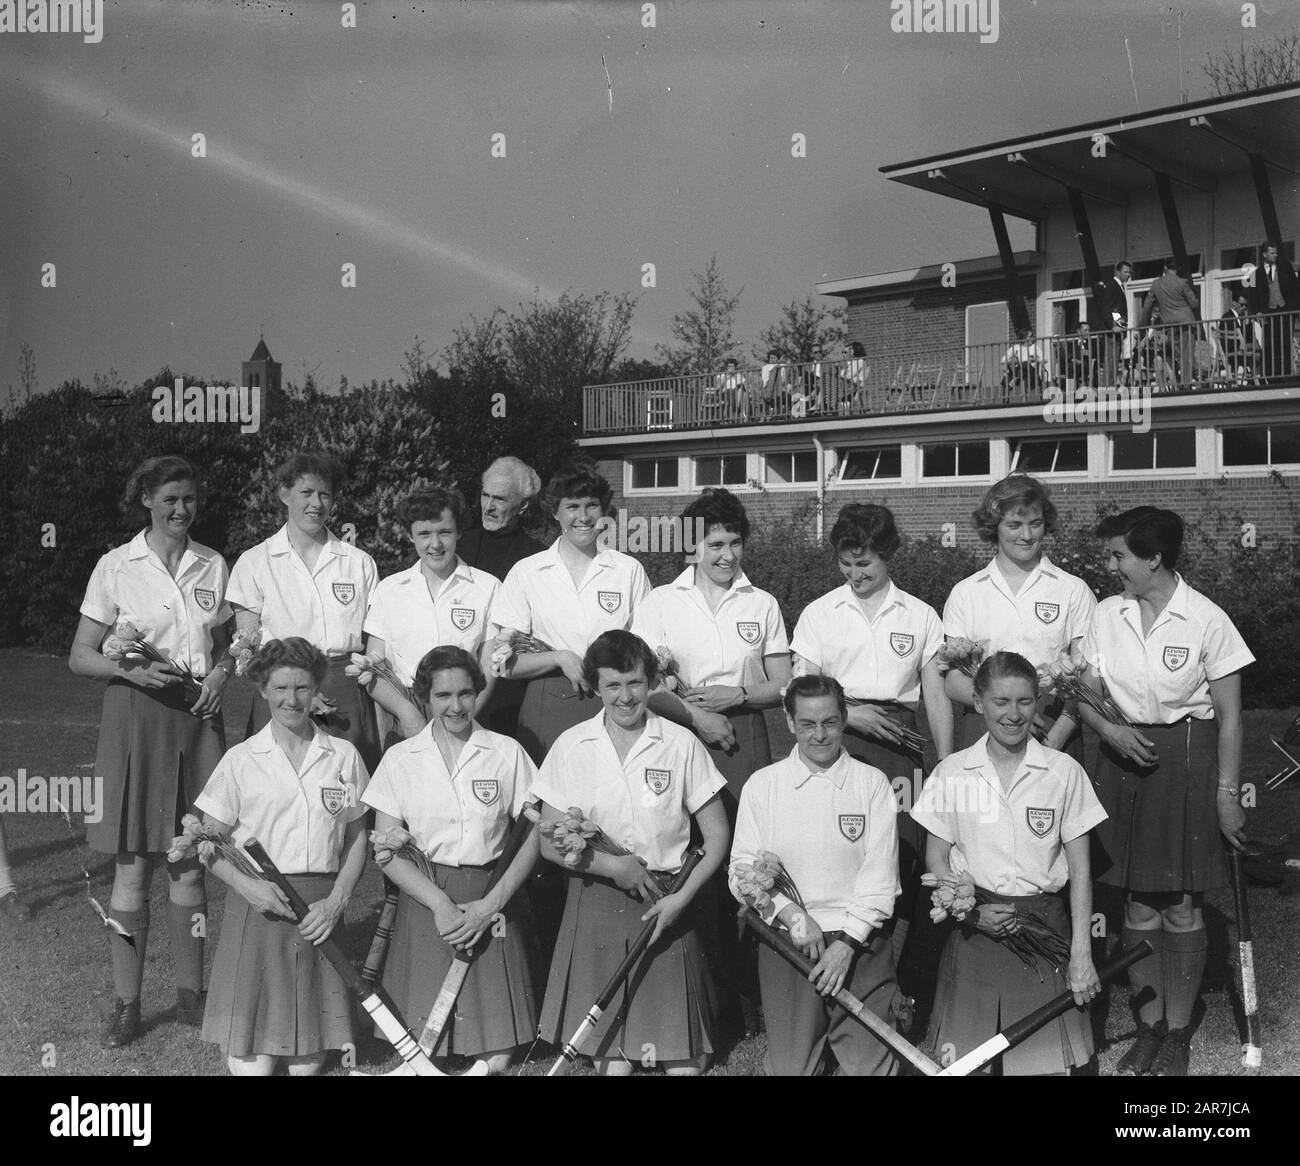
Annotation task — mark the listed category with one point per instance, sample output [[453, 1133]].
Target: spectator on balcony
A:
[[1180, 313], [1272, 296], [1241, 351], [854, 372], [807, 398], [1080, 356], [1153, 354], [1112, 298], [734, 389], [1024, 371], [776, 384]]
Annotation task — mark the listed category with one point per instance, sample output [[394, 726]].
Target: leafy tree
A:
[[803, 326], [705, 333]]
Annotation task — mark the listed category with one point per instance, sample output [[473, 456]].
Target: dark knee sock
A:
[[187, 948], [1184, 967], [1146, 978], [128, 961]]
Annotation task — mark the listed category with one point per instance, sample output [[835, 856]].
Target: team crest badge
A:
[[331, 797], [1047, 612], [852, 825], [609, 600], [345, 592], [658, 779], [902, 643], [462, 617], [486, 789], [1040, 821], [749, 630], [1175, 658], [205, 597]]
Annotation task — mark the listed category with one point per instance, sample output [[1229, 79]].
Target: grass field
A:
[[56, 992]]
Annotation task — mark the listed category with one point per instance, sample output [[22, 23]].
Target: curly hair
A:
[[577, 481], [151, 475], [1005, 497], [718, 507], [814, 686], [863, 526], [441, 659], [291, 652], [427, 505]]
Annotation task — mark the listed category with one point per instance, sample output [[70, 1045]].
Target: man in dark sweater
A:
[[496, 545]]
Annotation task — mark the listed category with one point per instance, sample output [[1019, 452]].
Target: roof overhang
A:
[[930, 274], [1196, 144]]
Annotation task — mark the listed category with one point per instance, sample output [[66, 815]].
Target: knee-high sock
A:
[[187, 948], [7, 886], [1146, 978], [128, 962], [1184, 967]]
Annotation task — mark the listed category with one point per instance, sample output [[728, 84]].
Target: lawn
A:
[[55, 989]]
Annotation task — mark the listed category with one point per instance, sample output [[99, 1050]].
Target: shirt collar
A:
[[686, 582], [263, 741], [835, 774], [1176, 607], [139, 548], [423, 740], [594, 729], [893, 595], [978, 757], [1045, 566], [462, 570], [280, 544], [604, 556]]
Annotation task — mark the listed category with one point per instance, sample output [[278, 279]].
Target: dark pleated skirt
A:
[[665, 1009], [270, 991], [501, 714], [1162, 832], [983, 987], [353, 718], [753, 750], [495, 1008], [895, 761], [154, 757], [550, 706]]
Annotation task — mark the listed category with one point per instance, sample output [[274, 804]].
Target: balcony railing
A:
[[1171, 358]]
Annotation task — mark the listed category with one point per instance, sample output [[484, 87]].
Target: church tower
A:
[[260, 371]]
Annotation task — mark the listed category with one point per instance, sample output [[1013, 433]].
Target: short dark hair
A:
[[1171, 264], [1005, 665], [811, 687], [864, 526], [323, 465], [291, 652], [441, 659], [428, 504], [718, 507], [151, 475], [771, 352], [577, 481], [1123, 263], [1149, 531], [622, 652], [856, 347], [1012, 493]]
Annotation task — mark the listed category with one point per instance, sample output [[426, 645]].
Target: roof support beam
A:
[[1243, 142], [1198, 180], [971, 192], [1092, 269], [1015, 301], [1067, 179], [1286, 277], [1173, 225]]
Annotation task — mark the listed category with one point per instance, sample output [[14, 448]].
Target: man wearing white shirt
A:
[[831, 820]]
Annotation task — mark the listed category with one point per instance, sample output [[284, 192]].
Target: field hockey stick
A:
[[1252, 1052], [372, 996], [383, 934], [1026, 1026], [569, 1053], [780, 943]]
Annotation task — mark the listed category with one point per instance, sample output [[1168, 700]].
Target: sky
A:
[[373, 146]]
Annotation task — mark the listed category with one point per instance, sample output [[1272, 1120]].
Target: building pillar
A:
[[1015, 300]]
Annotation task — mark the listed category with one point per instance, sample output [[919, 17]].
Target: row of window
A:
[[1253, 447]]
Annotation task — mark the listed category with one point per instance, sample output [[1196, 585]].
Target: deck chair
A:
[[1290, 740]]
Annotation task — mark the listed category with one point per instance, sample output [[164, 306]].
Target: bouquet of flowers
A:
[[957, 896], [963, 654], [128, 642], [398, 843], [1064, 678], [669, 670], [367, 669], [574, 833], [196, 838], [244, 646], [758, 879], [510, 644]]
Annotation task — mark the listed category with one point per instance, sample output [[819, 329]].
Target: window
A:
[[1155, 268], [790, 469], [869, 463], [1049, 455], [1069, 280], [1267, 445], [955, 459], [1168, 449], [726, 470], [654, 474], [987, 324]]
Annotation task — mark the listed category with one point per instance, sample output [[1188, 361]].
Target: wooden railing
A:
[[1172, 358]]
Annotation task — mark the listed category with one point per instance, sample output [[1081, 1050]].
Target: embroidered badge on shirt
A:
[[344, 592], [462, 617], [609, 600], [852, 825], [1047, 612], [331, 797], [1175, 658], [1040, 821], [902, 643], [205, 597], [749, 630], [486, 789], [658, 779]]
